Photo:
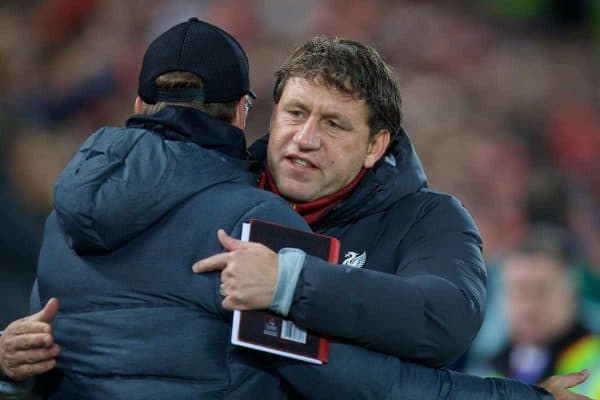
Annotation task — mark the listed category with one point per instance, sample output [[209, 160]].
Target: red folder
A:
[[267, 331]]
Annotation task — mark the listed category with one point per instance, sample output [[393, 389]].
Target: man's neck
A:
[[312, 211]]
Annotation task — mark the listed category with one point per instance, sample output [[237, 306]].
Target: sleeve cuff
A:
[[291, 262], [14, 390]]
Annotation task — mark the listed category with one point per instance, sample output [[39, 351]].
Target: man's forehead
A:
[[318, 83], [308, 92]]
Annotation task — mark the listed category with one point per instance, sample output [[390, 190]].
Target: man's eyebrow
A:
[[296, 103], [344, 120]]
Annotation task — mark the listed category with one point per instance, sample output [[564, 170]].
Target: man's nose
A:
[[308, 136]]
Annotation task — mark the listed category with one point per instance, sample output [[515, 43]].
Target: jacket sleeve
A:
[[357, 373], [428, 312]]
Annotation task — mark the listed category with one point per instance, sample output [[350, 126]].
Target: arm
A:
[[357, 373], [429, 311]]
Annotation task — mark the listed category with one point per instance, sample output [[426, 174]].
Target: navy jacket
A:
[[134, 209], [414, 281], [412, 284]]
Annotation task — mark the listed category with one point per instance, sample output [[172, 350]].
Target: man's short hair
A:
[[352, 68], [180, 79]]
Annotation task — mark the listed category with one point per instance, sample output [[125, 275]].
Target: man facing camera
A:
[[138, 205]]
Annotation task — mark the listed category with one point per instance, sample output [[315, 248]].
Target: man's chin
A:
[[296, 194], [296, 198]]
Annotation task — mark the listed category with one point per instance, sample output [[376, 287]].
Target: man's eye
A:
[[333, 124], [295, 113]]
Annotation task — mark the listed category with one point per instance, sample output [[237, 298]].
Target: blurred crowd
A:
[[500, 98]]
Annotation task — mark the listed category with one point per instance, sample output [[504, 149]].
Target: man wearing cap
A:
[[135, 208]]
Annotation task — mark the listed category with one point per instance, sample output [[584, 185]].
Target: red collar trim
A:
[[312, 211]]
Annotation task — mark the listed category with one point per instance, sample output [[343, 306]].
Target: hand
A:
[[248, 273], [27, 347], [557, 385]]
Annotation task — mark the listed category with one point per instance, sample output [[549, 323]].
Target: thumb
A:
[[47, 313], [230, 243]]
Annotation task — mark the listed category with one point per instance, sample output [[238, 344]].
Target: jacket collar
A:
[[397, 174], [188, 124]]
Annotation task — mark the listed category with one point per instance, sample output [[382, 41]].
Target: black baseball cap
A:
[[200, 48]]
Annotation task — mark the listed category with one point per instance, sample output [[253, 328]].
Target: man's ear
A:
[[137, 105], [239, 120], [378, 144]]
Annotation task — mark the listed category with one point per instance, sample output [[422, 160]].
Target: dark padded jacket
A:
[[134, 209], [414, 281], [412, 284]]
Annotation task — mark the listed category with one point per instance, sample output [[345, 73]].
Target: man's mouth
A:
[[301, 162]]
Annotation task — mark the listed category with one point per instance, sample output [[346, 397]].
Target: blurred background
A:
[[500, 97]]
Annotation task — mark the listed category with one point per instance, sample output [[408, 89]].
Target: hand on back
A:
[[248, 273], [27, 346], [558, 385]]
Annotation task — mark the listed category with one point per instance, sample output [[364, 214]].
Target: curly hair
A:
[[352, 68]]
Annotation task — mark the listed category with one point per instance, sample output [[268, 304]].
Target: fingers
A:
[[230, 243], [28, 341], [26, 371], [227, 304], [27, 347], [219, 261], [576, 396], [574, 379], [47, 314], [581, 376], [230, 303], [26, 355], [25, 326], [212, 263], [557, 385], [20, 358]]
